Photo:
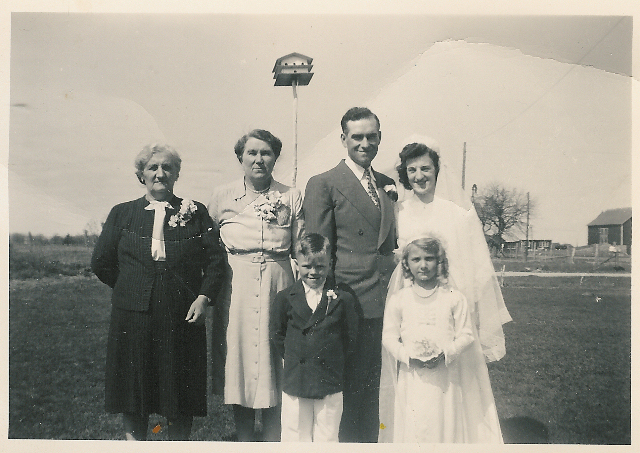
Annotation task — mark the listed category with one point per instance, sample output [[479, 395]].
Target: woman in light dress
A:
[[260, 221], [426, 214]]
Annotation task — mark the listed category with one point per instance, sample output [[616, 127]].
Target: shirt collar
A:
[[308, 289], [357, 169]]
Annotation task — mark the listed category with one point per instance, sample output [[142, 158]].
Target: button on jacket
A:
[[315, 345]]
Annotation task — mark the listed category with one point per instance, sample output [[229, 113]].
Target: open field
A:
[[567, 364], [563, 264]]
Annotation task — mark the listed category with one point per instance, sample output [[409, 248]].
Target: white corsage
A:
[[184, 214], [391, 191], [331, 295], [426, 349], [273, 208]]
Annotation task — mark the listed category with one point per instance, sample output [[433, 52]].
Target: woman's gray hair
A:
[[144, 156]]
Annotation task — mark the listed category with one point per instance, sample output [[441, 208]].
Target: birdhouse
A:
[[294, 66]]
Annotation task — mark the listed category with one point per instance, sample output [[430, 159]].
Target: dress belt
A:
[[260, 257]]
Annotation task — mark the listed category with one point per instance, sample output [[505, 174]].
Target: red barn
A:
[[611, 227]]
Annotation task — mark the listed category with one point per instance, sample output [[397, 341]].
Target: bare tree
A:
[[501, 210]]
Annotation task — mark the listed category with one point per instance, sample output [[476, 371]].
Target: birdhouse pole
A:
[[294, 84], [295, 70]]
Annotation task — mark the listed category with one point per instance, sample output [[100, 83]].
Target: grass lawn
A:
[[567, 362], [568, 357], [57, 345]]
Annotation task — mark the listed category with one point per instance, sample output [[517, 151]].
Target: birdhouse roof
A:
[[612, 217], [289, 56]]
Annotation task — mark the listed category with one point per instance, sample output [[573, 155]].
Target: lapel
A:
[[144, 229], [350, 187], [321, 310], [298, 301], [171, 239], [386, 209]]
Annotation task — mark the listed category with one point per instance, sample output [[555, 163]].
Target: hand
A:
[[197, 312], [416, 363], [432, 363]]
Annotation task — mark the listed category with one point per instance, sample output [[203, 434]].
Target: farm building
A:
[[534, 244], [611, 227]]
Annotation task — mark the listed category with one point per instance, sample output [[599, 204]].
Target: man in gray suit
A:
[[352, 205]]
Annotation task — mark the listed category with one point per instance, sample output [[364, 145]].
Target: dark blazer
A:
[[122, 256], [315, 345], [362, 236]]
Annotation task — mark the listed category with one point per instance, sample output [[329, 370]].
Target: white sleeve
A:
[[391, 329], [463, 330]]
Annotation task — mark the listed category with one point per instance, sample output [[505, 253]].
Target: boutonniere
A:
[[184, 214], [331, 295], [391, 191], [273, 208]]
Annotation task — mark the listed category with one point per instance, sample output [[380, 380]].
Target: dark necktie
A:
[[373, 193]]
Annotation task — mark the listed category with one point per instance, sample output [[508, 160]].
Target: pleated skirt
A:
[[156, 361]]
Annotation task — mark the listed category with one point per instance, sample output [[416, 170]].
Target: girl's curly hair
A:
[[429, 245]]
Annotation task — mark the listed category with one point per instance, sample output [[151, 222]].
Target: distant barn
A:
[[611, 227]]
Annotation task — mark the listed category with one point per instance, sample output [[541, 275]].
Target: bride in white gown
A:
[[441, 211]]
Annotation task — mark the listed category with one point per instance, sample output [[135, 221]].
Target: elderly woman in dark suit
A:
[[161, 255]]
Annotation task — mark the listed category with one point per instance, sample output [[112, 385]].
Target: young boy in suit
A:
[[313, 328]]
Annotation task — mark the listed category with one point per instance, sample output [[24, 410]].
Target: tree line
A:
[[85, 239]]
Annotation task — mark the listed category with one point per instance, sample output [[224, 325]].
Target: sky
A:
[[543, 103]]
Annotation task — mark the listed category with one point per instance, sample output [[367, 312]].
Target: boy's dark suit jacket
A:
[[314, 345], [362, 236], [122, 256]]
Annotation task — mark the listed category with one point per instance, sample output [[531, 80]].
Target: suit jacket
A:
[[122, 256], [315, 345], [362, 236]]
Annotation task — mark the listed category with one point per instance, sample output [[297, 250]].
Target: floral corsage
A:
[[426, 350], [391, 191], [184, 214], [331, 296], [273, 208]]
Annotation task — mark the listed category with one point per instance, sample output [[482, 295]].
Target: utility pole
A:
[[464, 162], [526, 249]]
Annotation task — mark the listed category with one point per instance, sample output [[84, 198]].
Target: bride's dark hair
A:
[[412, 151]]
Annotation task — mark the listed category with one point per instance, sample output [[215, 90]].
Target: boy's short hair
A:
[[429, 245], [311, 244]]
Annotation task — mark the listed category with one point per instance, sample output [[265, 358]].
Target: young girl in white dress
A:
[[442, 392]]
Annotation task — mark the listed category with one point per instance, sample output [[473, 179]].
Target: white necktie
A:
[[157, 237]]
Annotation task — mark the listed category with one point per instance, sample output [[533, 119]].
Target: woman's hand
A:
[[197, 312]]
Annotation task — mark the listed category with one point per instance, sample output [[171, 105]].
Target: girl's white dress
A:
[[470, 272], [449, 403]]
